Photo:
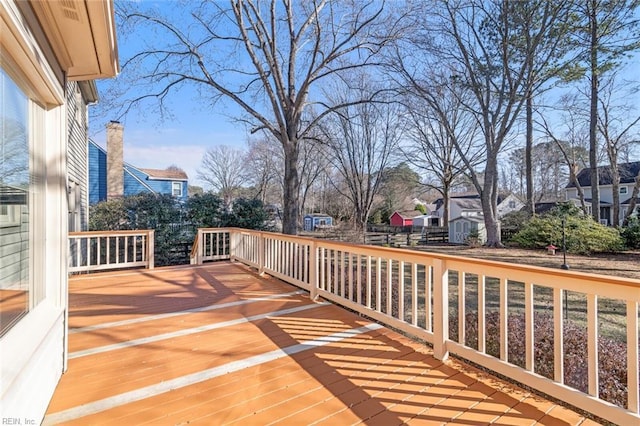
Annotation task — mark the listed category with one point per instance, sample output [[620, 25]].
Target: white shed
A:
[[462, 226]]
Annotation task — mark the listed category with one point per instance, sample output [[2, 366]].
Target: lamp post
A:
[[564, 247], [564, 266]]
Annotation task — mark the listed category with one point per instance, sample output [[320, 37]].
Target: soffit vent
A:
[[69, 10]]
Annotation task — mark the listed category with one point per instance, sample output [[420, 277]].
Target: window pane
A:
[[14, 208]]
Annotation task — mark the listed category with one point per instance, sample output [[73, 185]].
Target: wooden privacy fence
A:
[[102, 250], [451, 302]]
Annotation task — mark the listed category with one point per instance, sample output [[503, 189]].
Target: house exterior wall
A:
[[97, 174], [460, 228], [77, 159], [135, 181], [397, 220], [311, 222], [606, 196], [34, 346]]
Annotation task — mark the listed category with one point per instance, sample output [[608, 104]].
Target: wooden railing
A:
[[102, 250], [451, 302], [210, 244]]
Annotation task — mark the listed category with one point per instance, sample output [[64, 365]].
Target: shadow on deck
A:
[[217, 344]]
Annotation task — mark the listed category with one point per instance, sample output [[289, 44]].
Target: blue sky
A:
[[151, 142]]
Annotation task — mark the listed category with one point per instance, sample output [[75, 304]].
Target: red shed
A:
[[402, 218]]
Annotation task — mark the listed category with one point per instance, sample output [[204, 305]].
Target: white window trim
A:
[[624, 190], [178, 185]]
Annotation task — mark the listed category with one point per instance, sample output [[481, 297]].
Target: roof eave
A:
[[82, 35]]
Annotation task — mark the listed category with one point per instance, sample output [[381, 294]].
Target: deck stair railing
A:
[[104, 250], [451, 302]]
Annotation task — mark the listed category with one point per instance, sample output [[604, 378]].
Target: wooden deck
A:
[[217, 344]]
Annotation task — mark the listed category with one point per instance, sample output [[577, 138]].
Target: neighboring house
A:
[[628, 173], [110, 177], [49, 53], [427, 220], [470, 205], [403, 218], [317, 221], [462, 226]]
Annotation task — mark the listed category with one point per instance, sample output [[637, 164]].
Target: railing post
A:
[[261, 251], [151, 249], [200, 251], [313, 273], [233, 241], [440, 309]]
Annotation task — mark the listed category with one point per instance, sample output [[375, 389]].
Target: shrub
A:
[[612, 363], [246, 213], [204, 210], [174, 224], [514, 219], [631, 234], [583, 235]]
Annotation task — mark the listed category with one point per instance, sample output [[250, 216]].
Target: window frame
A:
[[174, 185]]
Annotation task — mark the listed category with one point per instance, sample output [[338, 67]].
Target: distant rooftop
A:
[[165, 174]]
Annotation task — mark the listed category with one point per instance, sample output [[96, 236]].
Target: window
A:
[[512, 204], [15, 247], [623, 190], [176, 189]]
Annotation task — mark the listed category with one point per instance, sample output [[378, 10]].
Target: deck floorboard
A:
[[256, 351]]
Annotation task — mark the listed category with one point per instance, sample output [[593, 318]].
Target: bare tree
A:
[[617, 120], [360, 141], [268, 57], [440, 129], [570, 134], [605, 34], [224, 169], [476, 41], [262, 162]]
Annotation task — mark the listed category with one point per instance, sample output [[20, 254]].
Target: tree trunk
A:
[[528, 162], [615, 188], [632, 203], [593, 113], [489, 200], [574, 178], [445, 199], [291, 188]]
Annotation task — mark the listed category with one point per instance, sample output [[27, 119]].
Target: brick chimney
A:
[[115, 166]]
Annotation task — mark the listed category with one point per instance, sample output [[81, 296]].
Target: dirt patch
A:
[[624, 264]]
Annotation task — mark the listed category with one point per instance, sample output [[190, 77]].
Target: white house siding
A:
[[77, 158], [33, 350], [14, 253]]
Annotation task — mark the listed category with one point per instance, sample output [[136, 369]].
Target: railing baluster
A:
[[440, 309], [558, 336], [401, 290], [482, 333], [414, 293], [592, 343], [379, 284], [351, 283], [98, 260], [368, 283], [343, 271], [389, 289], [322, 265], [504, 318], [428, 282], [359, 281], [462, 308], [336, 263], [528, 325], [633, 379]]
